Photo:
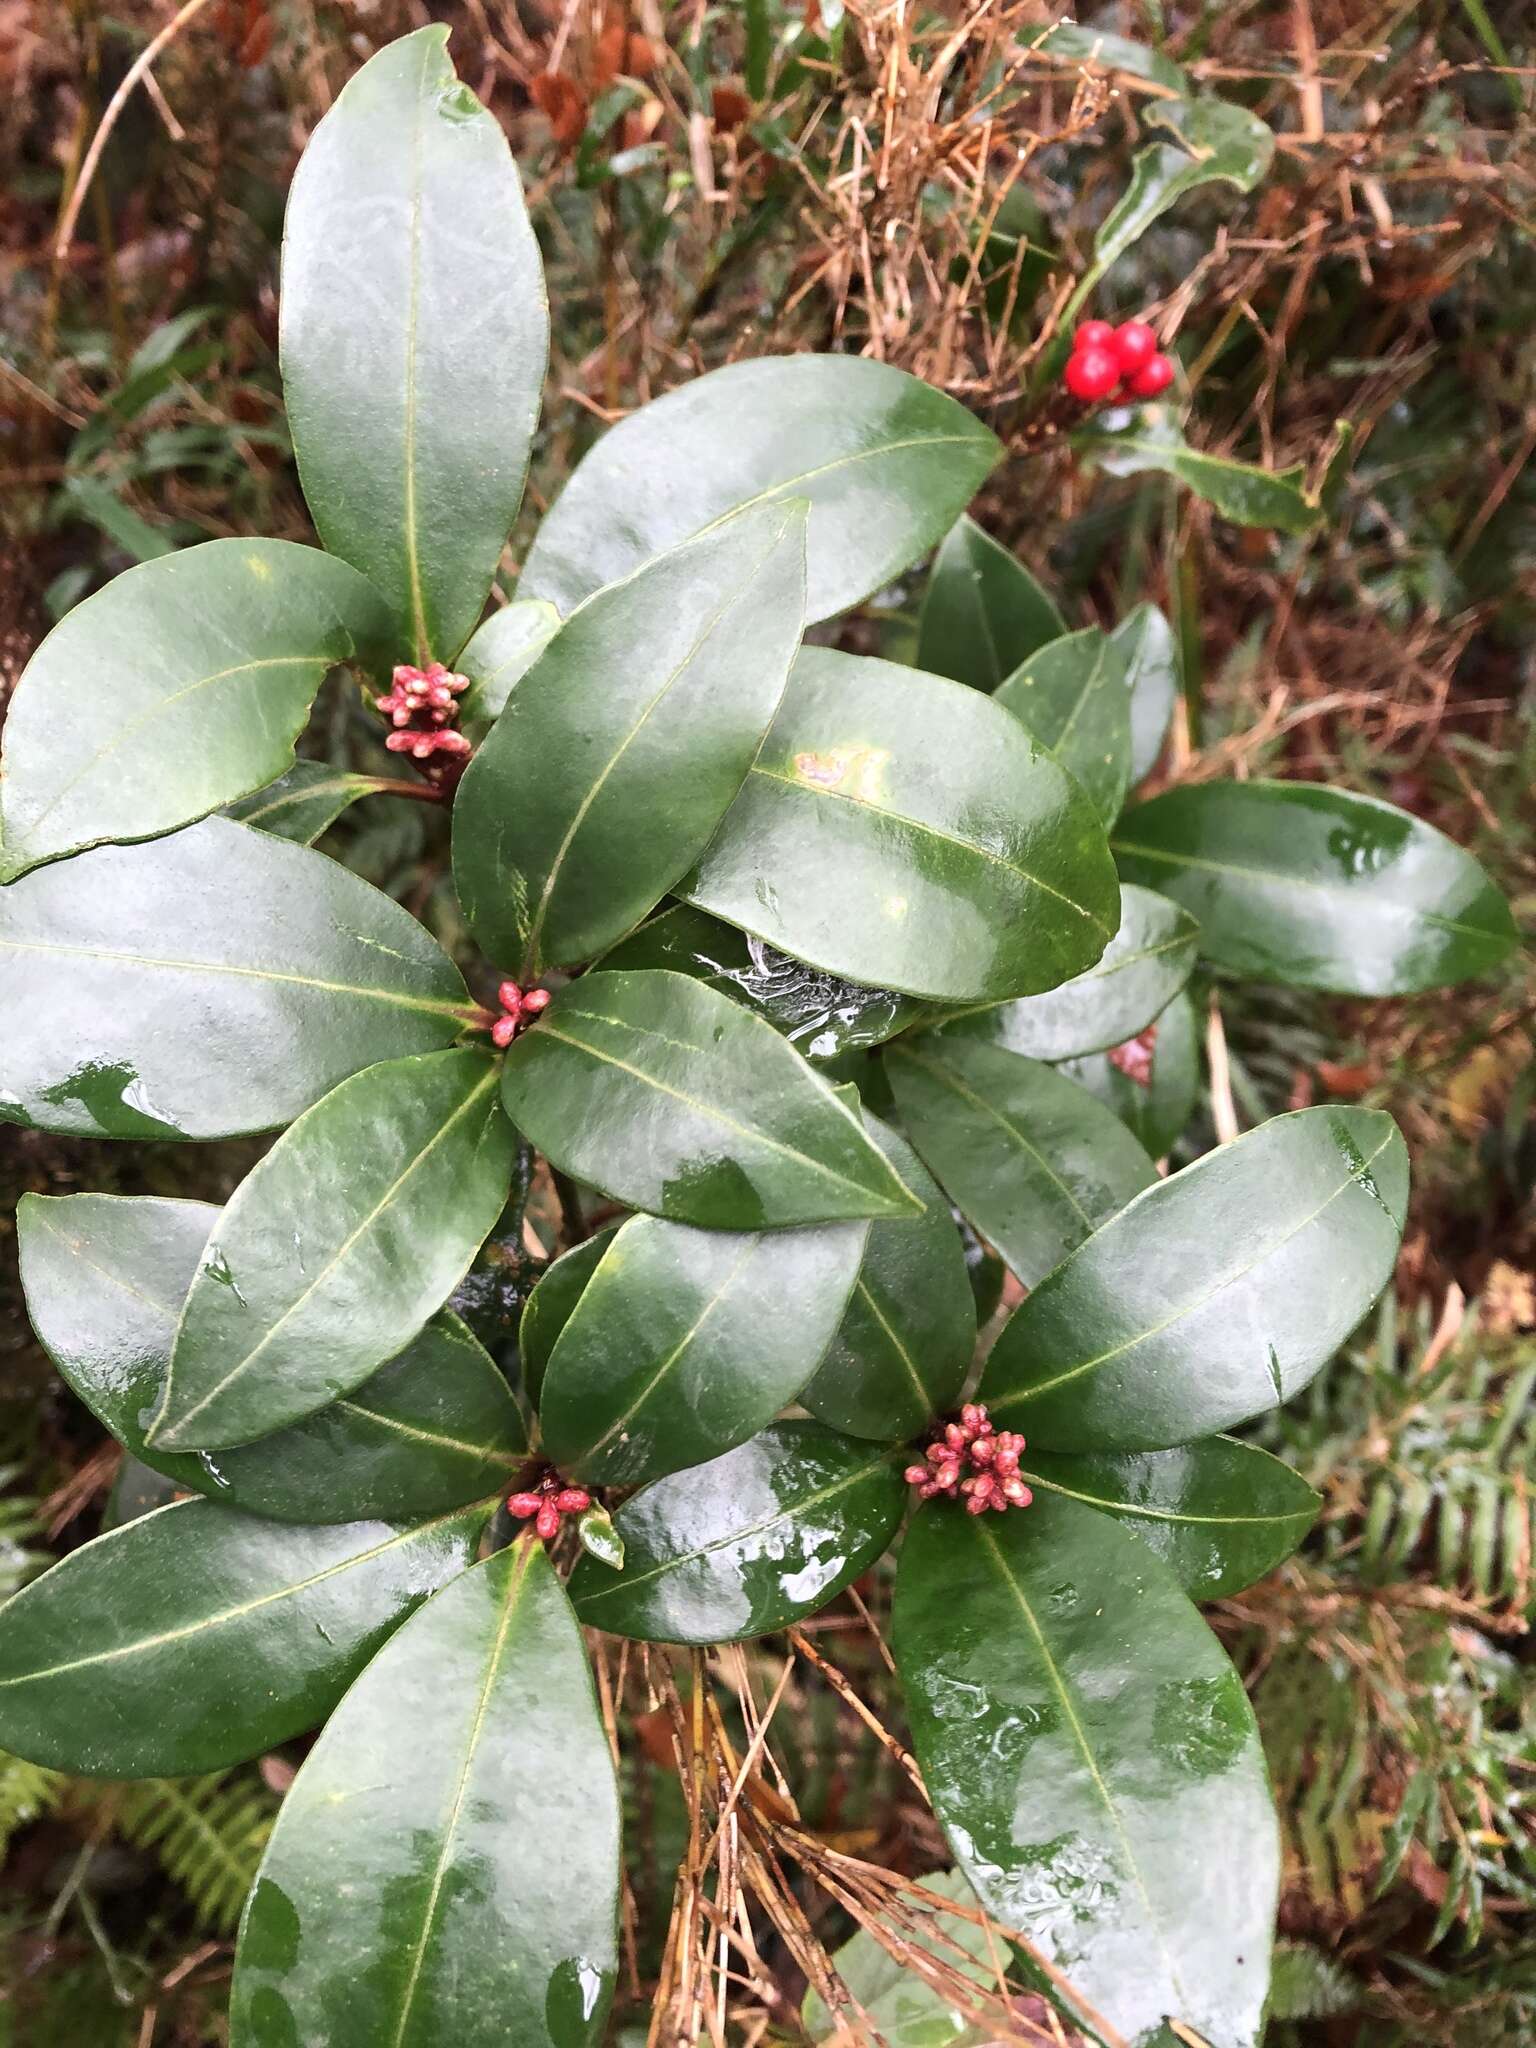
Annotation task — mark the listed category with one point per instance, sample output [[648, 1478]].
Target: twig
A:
[[108, 122]]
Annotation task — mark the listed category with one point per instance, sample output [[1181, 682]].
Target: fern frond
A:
[[19, 1524], [27, 1792], [206, 1833]]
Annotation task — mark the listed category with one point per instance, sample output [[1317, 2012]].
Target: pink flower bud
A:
[[536, 999], [547, 1521], [509, 995], [573, 1500], [503, 1031], [523, 1505]]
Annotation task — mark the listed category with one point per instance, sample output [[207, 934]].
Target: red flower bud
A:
[[537, 999], [503, 1031], [572, 1500], [524, 1504]]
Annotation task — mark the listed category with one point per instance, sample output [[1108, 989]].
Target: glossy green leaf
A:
[[1028, 1157], [548, 1308], [445, 1868], [983, 613], [904, 1345], [1154, 676], [213, 982], [414, 335], [621, 748], [1296, 882], [887, 463], [909, 2011], [686, 1342], [179, 687], [500, 653], [1142, 969], [600, 1539], [906, 832], [304, 803], [1094, 1761], [198, 1636], [1215, 1296], [1129, 441], [667, 1096], [1157, 1113], [747, 1543], [1075, 44], [1072, 695], [1220, 1514], [105, 1279], [1214, 140], [337, 1247], [821, 1014]]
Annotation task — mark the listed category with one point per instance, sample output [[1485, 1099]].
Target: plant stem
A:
[[574, 1222]]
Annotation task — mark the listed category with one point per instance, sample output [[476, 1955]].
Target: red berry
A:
[[1155, 377], [1091, 374], [1093, 334], [1134, 346]]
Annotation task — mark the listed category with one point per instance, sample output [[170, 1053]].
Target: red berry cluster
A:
[[423, 708], [548, 1503], [993, 1457], [1111, 362], [519, 1008], [1134, 1058]]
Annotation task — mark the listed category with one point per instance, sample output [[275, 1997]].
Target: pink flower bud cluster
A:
[[423, 708], [547, 1504], [519, 1007], [972, 1460], [1134, 1058]]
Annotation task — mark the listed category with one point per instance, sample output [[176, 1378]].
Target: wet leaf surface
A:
[[106, 1277], [747, 1543], [133, 1004], [1094, 1760], [446, 1865], [198, 1636], [1214, 1296]]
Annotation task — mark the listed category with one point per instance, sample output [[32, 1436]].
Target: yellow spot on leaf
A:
[[259, 567], [851, 770]]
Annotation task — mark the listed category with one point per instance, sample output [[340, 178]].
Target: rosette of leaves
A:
[[743, 874]]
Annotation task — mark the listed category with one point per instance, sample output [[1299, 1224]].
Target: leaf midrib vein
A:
[[1080, 1737], [947, 1075], [747, 1252], [706, 1109], [795, 1509], [332, 988], [1236, 867], [192, 1628], [384, 1202], [599, 782], [160, 708], [1189, 1308], [517, 1579], [921, 825]]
